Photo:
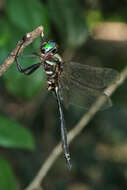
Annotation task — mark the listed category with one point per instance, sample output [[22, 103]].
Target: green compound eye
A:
[[49, 46]]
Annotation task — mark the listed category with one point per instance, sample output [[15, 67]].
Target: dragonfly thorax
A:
[[53, 67]]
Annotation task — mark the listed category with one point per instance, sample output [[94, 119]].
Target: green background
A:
[[90, 32]]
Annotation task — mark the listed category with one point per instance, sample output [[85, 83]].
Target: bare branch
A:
[[27, 39], [74, 132]]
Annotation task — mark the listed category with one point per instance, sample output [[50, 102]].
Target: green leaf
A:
[[27, 14], [4, 32], [68, 17], [7, 179], [9, 36], [4, 38], [14, 135]]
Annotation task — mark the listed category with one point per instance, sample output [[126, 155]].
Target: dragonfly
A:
[[70, 82]]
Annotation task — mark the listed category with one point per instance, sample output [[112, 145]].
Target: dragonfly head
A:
[[48, 47]]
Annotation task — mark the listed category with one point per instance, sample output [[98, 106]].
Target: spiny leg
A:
[[31, 55], [29, 70], [63, 130]]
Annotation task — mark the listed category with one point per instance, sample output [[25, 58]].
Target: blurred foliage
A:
[[14, 135], [26, 17], [22, 85], [7, 178], [68, 18], [99, 155]]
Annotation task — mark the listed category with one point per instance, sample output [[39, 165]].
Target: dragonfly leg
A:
[[63, 130], [34, 54], [29, 70]]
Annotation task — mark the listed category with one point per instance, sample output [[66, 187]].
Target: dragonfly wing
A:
[[81, 84], [82, 96], [65, 88], [92, 77], [85, 97]]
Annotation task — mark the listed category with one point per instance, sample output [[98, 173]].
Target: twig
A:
[[74, 132], [27, 39]]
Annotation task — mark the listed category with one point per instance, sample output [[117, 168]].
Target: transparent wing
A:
[[82, 84], [93, 77]]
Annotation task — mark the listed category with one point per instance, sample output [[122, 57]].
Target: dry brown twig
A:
[[27, 39]]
